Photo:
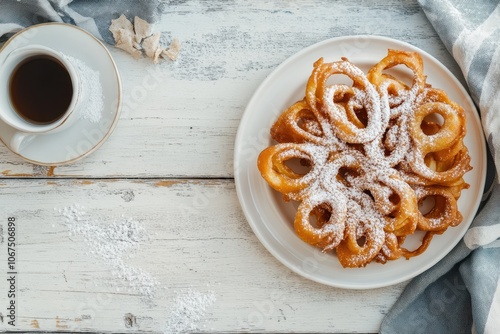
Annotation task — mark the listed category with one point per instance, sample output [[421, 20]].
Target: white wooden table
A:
[[168, 165]]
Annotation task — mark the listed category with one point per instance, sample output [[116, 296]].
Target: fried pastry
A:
[[375, 151]]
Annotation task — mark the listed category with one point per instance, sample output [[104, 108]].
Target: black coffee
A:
[[40, 89]]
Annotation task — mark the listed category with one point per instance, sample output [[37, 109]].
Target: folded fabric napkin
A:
[[92, 15], [461, 294]]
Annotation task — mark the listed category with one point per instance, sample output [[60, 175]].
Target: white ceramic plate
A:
[[272, 219], [83, 137]]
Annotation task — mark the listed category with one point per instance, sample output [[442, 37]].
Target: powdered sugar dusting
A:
[[92, 100], [189, 310], [112, 244], [367, 97], [364, 156]]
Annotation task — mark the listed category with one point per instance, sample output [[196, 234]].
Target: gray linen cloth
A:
[[461, 294], [92, 15]]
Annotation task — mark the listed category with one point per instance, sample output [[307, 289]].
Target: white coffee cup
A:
[[28, 131]]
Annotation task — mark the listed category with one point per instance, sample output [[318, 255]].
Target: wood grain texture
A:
[[169, 165]]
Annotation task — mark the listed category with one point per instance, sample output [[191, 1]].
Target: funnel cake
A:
[[375, 151]]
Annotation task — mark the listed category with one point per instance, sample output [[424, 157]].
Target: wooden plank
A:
[[196, 243], [180, 119]]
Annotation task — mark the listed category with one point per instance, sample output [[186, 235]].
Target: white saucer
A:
[[84, 137]]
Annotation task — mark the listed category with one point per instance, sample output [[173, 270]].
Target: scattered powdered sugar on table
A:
[[189, 309], [112, 244], [93, 103]]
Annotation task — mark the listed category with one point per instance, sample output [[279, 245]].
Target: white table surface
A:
[[171, 150]]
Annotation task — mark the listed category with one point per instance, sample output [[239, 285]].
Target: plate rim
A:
[[238, 143], [117, 112]]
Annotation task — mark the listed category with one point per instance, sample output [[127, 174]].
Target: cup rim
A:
[[115, 77], [24, 125]]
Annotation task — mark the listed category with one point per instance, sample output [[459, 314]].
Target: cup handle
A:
[[19, 141]]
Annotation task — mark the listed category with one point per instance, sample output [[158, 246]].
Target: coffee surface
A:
[[40, 90]]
